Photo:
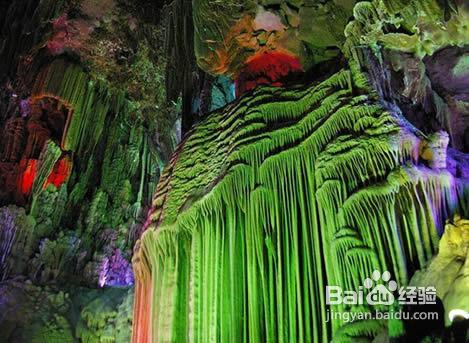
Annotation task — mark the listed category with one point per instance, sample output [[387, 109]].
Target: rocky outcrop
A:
[[448, 270]]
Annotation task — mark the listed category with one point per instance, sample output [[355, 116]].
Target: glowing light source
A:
[[458, 313]]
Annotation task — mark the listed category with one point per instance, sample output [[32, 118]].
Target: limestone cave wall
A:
[[203, 171]]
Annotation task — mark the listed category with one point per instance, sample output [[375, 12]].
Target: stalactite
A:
[[275, 197], [13, 133], [181, 65], [90, 100], [23, 25], [15, 240]]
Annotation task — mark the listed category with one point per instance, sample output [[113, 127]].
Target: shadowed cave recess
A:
[[234, 171]]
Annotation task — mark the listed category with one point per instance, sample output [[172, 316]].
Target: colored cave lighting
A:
[[312, 195], [27, 177], [60, 38], [267, 68], [115, 271], [60, 173], [57, 177]]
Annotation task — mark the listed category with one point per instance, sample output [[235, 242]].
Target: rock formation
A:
[[230, 161]]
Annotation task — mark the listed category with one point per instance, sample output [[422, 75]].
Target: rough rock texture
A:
[[448, 270], [228, 34], [43, 314], [427, 90]]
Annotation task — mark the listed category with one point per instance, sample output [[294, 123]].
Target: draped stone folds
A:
[[278, 195]]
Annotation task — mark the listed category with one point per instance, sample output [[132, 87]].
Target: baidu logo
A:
[[380, 290], [380, 294]]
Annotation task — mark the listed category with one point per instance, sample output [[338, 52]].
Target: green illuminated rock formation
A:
[[280, 194], [419, 27]]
